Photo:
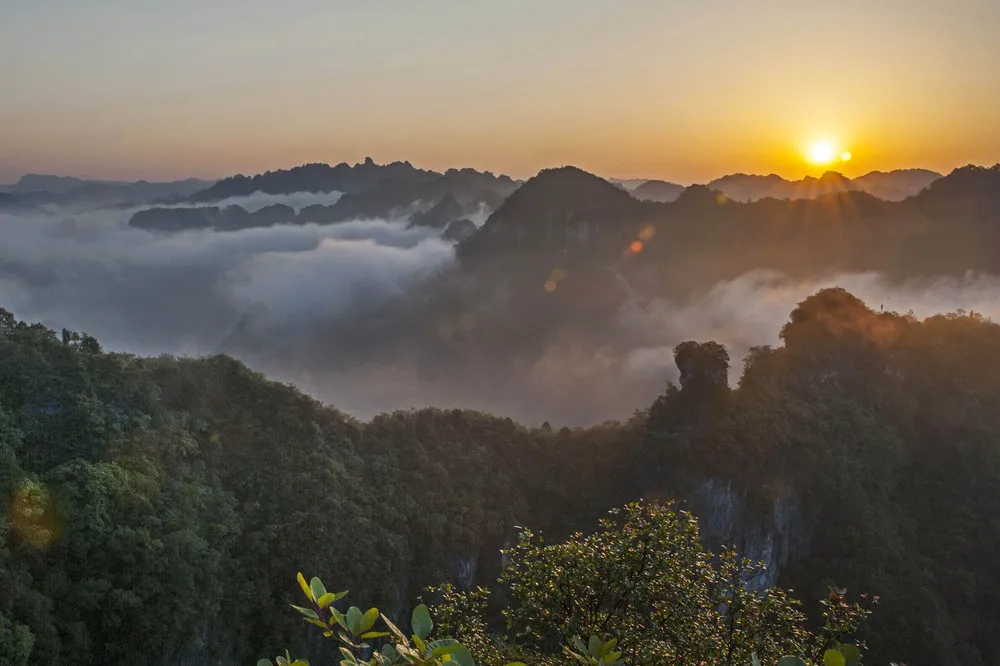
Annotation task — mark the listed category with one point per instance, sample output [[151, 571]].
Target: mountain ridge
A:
[[893, 185], [34, 190], [314, 177]]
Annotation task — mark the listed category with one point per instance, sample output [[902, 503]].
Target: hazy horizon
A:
[[678, 181], [679, 92]]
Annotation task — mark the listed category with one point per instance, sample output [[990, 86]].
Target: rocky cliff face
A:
[[774, 535]]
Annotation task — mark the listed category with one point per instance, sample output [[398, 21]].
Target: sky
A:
[[680, 90]]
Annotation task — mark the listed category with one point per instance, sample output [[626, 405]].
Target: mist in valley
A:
[[322, 307]]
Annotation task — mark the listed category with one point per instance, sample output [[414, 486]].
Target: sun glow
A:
[[822, 152], [825, 151]]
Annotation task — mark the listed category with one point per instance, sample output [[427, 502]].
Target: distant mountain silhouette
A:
[[43, 189], [8, 200], [896, 185], [965, 206], [431, 199], [36, 182], [707, 235], [571, 272], [372, 191], [890, 186], [965, 183], [749, 187], [556, 209], [316, 178], [628, 183], [658, 190], [446, 210], [743, 187]]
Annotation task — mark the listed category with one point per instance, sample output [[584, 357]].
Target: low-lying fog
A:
[[184, 293]]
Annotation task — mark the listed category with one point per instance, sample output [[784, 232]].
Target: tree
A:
[[644, 579], [704, 366]]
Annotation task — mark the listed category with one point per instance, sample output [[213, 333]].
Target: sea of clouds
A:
[[149, 293], [186, 293]]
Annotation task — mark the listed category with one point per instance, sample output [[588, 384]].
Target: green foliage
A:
[[354, 629], [596, 652], [882, 430], [645, 579], [135, 489]]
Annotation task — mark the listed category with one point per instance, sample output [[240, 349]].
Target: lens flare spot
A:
[[845, 156], [35, 517], [647, 233], [550, 285], [635, 247]]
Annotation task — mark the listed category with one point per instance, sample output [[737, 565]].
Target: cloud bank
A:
[[321, 302], [148, 293], [750, 310], [254, 202]]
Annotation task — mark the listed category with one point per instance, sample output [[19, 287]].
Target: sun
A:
[[822, 152], [825, 151]]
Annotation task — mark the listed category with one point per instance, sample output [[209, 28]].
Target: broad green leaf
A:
[[834, 658], [374, 634], [595, 646], [338, 617], [420, 621], [354, 617], [318, 623], [442, 647], [755, 660], [282, 661], [264, 662], [368, 620], [420, 644], [308, 612], [326, 599], [462, 657], [389, 654], [305, 587], [317, 588], [851, 653], [348, 656]]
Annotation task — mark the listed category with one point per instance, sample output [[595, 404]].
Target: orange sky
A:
[[684, 91]]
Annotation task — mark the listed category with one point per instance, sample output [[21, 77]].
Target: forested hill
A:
[[160, 507]]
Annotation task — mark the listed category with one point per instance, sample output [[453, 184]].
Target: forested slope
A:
[[160, 507]]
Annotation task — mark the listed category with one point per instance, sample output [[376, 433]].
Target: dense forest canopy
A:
[[160, 507]]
